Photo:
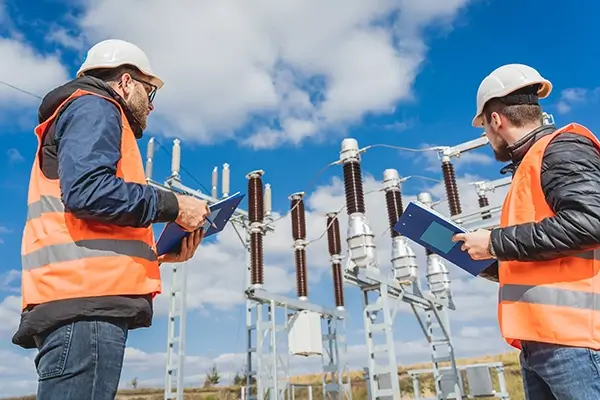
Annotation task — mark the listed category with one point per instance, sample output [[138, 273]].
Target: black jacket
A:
[[571, 183]]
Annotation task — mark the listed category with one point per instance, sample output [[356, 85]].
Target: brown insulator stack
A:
[[355, 197], [483, 203], [451, 188], [256, 216], [299, 234], [393, 201], [335, 249]]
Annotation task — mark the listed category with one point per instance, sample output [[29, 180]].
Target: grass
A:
[[512, 374]]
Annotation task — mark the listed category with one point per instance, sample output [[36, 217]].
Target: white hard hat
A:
[[113, 53], [505, 80]]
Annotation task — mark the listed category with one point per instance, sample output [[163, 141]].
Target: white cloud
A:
[[14, 155], [572, 97], [10, 311], [27, 69], [303, 67], [3, 231]]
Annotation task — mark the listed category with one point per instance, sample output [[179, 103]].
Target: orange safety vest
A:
[[64, 257], [556, 301]]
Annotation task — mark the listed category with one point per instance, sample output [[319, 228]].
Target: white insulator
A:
[[391, 180], [215, 182], [267, 200], [425, 198], [225, 183], [150, 149], [149, 157], [349, 150], [176, 160], [438, 277], [149, 168]]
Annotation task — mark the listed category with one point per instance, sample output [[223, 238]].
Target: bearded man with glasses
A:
[[89, 261]]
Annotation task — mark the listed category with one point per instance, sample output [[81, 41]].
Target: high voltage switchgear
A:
[[279, 327]]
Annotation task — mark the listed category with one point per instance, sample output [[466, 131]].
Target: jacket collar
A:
[[519, 149]]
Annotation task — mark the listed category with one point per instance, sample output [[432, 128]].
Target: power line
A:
[[21, 90]]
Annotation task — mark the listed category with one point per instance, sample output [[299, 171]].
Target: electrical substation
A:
[[279, 327]]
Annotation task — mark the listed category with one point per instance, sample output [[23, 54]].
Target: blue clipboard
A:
[[433, 231], [220, 213]]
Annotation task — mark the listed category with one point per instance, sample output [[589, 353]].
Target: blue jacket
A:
[[82, 149], [88, 136]]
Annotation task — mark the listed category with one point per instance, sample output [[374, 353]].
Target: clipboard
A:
[[220, 213], [434, 231]]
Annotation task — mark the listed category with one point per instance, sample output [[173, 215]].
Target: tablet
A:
[[220, 213], [434, 231]]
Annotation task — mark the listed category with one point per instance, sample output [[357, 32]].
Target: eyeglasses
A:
[[148, 87]]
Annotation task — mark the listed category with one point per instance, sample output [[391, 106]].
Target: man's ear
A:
[[495, 120], [127, 85]]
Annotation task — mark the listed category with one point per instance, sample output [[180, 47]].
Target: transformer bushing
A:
[[404, 261], [438, 278], [360, 237]]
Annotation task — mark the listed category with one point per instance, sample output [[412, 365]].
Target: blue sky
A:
[[277, 87]]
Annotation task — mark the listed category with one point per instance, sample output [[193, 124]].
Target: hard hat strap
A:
[[524, 96], [519, 99]]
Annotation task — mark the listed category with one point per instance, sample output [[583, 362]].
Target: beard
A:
[[500, 148], [138, 105], [501, 152]]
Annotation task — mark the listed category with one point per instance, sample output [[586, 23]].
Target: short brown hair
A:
[[518, 115]]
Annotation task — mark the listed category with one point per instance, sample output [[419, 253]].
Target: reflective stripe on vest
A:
[[66, 257], [78, 249], [555, 301]]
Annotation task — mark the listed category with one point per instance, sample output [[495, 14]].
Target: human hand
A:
[[192, 212], [477, 243], [189, 244]]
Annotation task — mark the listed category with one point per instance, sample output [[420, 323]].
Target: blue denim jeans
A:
[[553, 372], [81, 360]]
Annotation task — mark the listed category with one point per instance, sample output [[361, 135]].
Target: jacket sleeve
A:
[[88, 135], [571, 183]]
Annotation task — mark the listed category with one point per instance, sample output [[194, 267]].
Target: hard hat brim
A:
[[543, 92]]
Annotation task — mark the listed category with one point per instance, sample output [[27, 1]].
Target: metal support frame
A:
[[382, 367], [174, 373], [270, 340], [447, 380], [437, 326], [176, 334], [336, 374], [268, 326]]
